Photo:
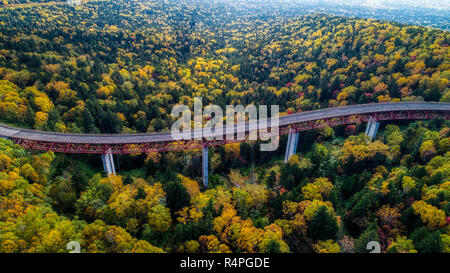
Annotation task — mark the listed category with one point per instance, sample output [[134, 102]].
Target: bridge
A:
[[109, 144]]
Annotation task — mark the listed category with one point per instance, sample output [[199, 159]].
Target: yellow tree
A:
[[159, 218], [320, 188], [430, 215], [328, 246]]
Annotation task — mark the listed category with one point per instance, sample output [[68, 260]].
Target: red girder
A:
[[131, 148]]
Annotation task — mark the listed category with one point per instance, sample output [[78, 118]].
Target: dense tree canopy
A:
[[120, 66]]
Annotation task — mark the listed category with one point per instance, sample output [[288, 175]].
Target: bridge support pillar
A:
[[372, 129], [108, 162], [291, 147], [205, 163]]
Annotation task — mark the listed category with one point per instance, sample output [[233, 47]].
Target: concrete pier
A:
[[108, 163], [372, 129], [291, 147], [205, 163]]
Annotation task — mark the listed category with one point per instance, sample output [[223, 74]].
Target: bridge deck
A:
[[34, 135]]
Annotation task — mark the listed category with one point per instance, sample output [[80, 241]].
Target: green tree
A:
[[177, 196], [323, 226], [271, 179], [370, 234], [427, 241]]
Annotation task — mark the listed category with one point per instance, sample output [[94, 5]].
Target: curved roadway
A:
[[284, 121]]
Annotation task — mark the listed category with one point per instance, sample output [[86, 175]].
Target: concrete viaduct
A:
[[109, 144]]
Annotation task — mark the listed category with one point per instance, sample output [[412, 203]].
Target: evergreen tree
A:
[[271, 179], [427, 241], [177, 196], [323, 226], [370, 234], [273, 247]]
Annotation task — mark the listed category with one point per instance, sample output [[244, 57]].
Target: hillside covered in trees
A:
[[120, 66]]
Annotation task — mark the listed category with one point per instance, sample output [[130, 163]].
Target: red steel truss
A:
[[163, 146]]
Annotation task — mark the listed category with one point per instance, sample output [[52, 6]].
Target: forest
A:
[[120, 67]]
